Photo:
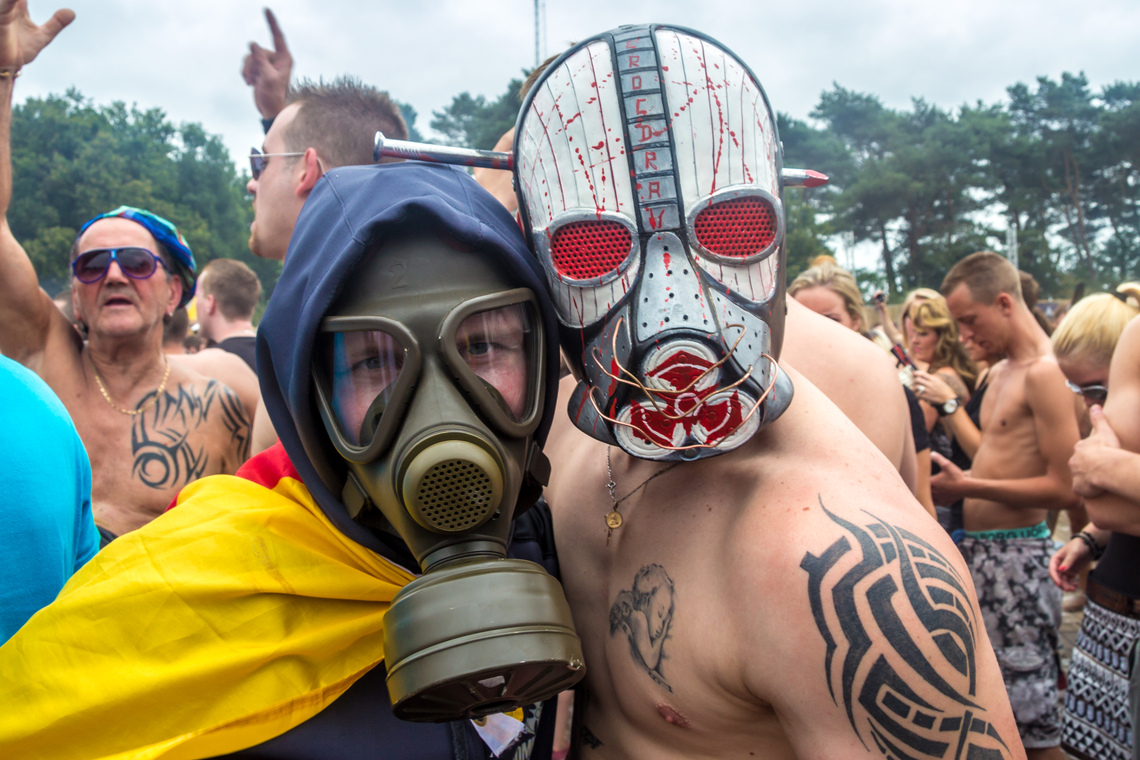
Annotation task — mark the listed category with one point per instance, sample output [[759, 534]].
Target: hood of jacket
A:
[[350, 211]]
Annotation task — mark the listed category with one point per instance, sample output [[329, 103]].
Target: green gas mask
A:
[[428, 374]]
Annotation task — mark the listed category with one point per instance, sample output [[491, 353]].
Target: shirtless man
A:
[[1020, 472], [749, 577], [150, 426]]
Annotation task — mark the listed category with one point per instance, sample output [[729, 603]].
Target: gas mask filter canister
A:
[[428, 377]]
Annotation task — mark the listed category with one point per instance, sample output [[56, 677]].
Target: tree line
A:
[[72, 159], [1057, 161]]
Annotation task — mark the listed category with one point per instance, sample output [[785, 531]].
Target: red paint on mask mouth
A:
[[681, 370], [682, 406]]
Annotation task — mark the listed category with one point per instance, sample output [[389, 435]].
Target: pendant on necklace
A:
[[613, 519]]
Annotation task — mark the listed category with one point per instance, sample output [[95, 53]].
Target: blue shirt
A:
[[46, 528]]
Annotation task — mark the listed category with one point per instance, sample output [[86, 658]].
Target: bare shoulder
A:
[[1125, 369], [230, 369], [209, 361], [854, 373], [1045, 385], [813, 342], [59, 359], [877, 625], [860, 600], [1122, 409]]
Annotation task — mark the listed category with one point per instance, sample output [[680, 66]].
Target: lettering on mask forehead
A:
[[647, 130], [642, 130]]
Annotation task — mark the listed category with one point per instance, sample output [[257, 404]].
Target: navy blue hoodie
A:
[[349, 211]]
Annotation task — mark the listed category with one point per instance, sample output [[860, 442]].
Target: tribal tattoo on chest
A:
[[910, 688], [169, 444], [643, 614]]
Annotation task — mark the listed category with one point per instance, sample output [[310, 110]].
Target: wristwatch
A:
[[948, 408]]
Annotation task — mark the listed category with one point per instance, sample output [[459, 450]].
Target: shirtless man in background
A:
[[748, 574], [1020, 472], [150, 425]]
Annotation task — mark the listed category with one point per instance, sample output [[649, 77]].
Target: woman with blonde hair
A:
[[936, 347], [828, 289], [1096, 721], [913, 298]]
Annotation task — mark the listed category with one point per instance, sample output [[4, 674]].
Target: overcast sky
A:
[[185, 57]]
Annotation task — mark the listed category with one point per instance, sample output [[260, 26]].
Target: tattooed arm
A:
[[892, 654], [232, 414]]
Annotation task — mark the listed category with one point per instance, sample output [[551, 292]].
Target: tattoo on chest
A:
[[910, 688], [643, 614], [167, 453]]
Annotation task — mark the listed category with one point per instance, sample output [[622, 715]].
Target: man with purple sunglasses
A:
[[150, 426]]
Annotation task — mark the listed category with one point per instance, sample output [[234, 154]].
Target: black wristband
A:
[[1095, 549]]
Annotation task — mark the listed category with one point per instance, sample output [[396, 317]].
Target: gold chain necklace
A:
[[132, 412], [613, 517]]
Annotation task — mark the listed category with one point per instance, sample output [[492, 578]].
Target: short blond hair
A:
[[838, 280], [1093, 325], [986, 275]]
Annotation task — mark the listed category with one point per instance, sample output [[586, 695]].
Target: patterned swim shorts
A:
[[1021, 609]]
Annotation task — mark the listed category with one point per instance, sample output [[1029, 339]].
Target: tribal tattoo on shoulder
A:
[[911, 689], [167, 454], [644, 614]]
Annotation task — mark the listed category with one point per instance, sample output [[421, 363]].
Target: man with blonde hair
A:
[[1020, 472]]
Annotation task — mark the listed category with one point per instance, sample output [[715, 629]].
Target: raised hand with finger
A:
[[268, 71], [21, 39]]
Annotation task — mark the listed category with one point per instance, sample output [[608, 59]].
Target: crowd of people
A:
[[380, 522], [974, 370]]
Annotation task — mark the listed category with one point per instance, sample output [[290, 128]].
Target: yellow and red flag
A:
[[227, 621]]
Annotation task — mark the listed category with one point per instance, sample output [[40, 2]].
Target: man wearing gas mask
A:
[[749, 575], [408, 360]]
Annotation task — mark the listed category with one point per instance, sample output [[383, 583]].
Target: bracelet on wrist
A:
[[10, 73], [1095, 549]]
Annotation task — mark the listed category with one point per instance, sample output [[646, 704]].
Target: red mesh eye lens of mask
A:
[[737, 228], [590, 248]]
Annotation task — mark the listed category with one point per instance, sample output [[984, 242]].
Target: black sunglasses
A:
[[257, 160], [1094, 393], [136, 263]]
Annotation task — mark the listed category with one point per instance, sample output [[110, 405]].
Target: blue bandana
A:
[[167, 235]]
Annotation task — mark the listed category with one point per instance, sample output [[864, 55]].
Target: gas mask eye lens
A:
[[737, 228], [497, 346], [365, 365], [591, 248]]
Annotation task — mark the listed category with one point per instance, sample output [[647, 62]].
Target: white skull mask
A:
[[648, 169]]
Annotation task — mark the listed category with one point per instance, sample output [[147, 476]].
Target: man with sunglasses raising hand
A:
[[149, 426]]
